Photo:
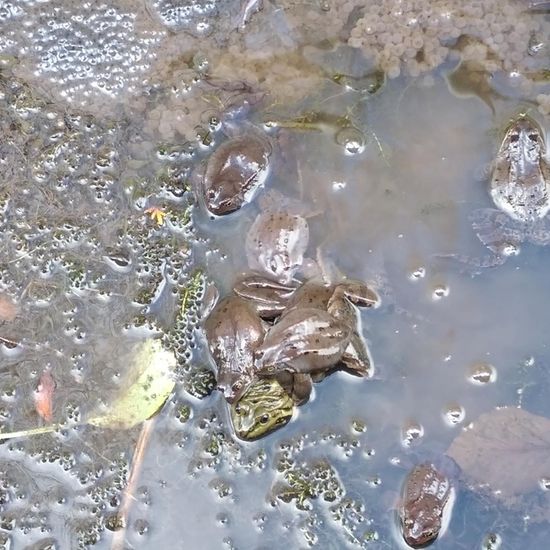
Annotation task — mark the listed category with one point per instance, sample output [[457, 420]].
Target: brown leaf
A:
[[43, 396], [507, 448], [8, 309]]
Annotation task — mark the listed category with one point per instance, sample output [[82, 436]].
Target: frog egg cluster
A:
[[90, 53], [178, 113], [193, 16], [287, 76], [415, 35]]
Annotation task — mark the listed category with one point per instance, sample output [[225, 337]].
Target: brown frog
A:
[[339, 300], [278, 238], [234, 331], [427, 500], [268, 297], [234, 172], [520, 185], [305, 340]]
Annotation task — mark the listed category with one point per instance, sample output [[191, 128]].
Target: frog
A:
[[263, 407], [339, 300], [520, 189], [268, 297], [278, 237], [427, 499], [233, 330], [234, 172], [305, 340]]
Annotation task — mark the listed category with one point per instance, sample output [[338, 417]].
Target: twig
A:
[[128, 495]]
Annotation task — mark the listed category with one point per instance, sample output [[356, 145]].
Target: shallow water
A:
[[107, 111]]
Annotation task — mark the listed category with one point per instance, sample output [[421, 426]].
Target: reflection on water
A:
[[108, 116]]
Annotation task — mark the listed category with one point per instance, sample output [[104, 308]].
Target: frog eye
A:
[[534, 137], [239, 410], [264, 418], [514, 138]]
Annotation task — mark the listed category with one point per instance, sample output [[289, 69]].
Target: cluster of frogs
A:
[[273, 336]]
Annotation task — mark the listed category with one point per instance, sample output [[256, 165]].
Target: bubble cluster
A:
[[93, 51], [287, 76], [194, 16], [80, 252], [416, 36]]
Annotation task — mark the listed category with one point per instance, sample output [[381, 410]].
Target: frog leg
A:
[[356, 358], [497, 231], [500, 234], [540, 233], [357, 292], [298, 385]]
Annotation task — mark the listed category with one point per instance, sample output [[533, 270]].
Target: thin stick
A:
[[128, 495]]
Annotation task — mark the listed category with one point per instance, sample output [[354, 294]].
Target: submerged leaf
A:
[[8, 309], [507, 449], [43, 395], [154, 366]]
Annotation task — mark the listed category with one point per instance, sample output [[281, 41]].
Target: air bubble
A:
[[222, 519], [492, 541], [440, 291], [454, 414], [418, 273], [411, 433], [352, 140], [482, 373], [141, 526]]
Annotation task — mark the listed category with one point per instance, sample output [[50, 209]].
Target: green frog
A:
[[234, 172], [519, 188], [233, 331], [263, 407]]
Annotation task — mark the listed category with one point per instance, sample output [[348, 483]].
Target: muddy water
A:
[[109, 111]]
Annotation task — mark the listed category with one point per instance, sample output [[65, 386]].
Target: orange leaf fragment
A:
[[8, 310], [43, 396]]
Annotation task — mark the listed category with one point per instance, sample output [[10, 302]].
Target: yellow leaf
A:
[[144, 397], [153, 382]]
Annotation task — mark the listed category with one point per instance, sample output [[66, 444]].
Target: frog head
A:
[[359, 293], [263, 407], [524, 137], [420, 524]]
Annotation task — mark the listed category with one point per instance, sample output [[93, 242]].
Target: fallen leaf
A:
[[43, 395], [156, 214], [153, 382], [153, 367], [507, 449], [8, 309]]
